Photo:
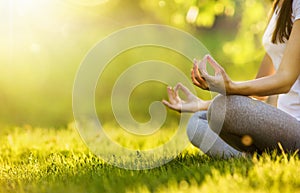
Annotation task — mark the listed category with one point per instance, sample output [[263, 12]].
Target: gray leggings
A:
[[236, 124]]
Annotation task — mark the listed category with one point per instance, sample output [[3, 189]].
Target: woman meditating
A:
[[234, 122]]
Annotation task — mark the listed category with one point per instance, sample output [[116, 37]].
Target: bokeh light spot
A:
[[192, 14], [247, 140]]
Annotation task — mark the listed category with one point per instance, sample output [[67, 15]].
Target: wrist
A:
[[203, 105], [232, 88]]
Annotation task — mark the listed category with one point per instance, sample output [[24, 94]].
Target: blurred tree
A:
[[44, 42], [246, 18], [181, 13]]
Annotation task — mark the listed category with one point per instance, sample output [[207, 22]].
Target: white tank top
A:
[[289, 102]]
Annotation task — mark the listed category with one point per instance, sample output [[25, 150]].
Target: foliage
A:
[[182, 13], [57, 161], [44, 43], [246, 19]]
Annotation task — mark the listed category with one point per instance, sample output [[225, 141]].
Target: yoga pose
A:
[[234, 122]]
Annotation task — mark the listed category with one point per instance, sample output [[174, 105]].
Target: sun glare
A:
[[23, 7], [23, 21], [29, 19], [87, 2]]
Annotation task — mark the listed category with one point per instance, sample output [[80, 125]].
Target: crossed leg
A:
[[221, 131]]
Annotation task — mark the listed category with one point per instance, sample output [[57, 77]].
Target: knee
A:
[[195, 125], [223, 106], [219, 102], [216, 113]]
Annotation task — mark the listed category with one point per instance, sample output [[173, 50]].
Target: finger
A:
[[171, 106], [174, 97], [171, 95], [212, 61], [195, 61], [200, 83], [195, 70], [195, 82], [177, 98], [195, 67], [217, 67], [202, 67], [167, 103], [184, 89], [198, 75]]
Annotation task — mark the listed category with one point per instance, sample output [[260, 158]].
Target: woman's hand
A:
[[191, 104], [220, 82]]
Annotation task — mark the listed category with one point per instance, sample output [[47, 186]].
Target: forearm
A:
[[283, 79], [264, 86]]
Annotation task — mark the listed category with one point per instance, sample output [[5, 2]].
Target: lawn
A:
[[41, 160]]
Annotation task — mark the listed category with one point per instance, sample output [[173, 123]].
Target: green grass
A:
[[55, 160]]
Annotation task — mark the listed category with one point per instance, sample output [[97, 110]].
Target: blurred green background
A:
[[44, 41]]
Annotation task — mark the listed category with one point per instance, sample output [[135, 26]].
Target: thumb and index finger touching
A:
[[199, 72], [210, 60], [183, 88]]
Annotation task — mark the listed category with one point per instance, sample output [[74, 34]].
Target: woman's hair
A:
[[284, 22]]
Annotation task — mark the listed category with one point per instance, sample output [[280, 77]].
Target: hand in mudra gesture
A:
[[219, 82], [191, 104]]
